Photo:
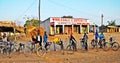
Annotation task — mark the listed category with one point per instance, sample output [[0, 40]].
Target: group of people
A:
[[101, 38], [38, 39], [84, 38]]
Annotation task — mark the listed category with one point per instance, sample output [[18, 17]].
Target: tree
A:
[[111, 23], [67, 17], [32, 22]]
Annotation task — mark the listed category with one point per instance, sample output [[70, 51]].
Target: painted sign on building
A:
[[70, 21]]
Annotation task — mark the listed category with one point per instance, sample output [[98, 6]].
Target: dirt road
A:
[[91, 56]]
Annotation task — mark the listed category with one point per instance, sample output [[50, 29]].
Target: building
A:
[[113, 28], [57, 25], [94, 28], [6, 26]]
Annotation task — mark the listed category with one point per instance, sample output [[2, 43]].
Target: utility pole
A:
[[102, 23], [39, 14], [14, 30], [102, 20]]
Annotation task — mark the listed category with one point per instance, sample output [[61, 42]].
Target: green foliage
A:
[[111, 23], [32, 22]]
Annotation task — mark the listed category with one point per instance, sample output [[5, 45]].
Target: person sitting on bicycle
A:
[[5, 39], [73, 41], [101, 39], [111, 39], [85, 38], [96, 35], [39, 39], [34, 40], [45, 40]]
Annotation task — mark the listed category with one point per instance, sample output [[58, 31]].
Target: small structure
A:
[[112, 29]]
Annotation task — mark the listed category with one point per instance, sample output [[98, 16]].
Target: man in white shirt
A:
[[39, 39], [4, 38]]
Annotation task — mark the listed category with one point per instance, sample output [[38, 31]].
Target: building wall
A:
[[46, 25], [119, 29]]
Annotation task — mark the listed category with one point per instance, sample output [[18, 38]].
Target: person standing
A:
[[39, 39], [45, 40], [85, 37]]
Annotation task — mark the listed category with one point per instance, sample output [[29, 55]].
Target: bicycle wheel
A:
[[41, 51], [93, 44], [105, 46], [115, 46], [70, 49], [7, 52]]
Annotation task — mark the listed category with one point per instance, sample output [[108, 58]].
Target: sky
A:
[[21, 10]]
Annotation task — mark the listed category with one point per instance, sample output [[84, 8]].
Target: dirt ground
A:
[[79, 56]]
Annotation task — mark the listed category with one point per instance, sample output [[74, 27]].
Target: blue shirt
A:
[[102, 36], [96, 35], [45, 37]]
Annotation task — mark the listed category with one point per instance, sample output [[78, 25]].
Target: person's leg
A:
[[46, 45], [40, 44], [100, 43], [86, 46], [74, 45], [62, 48], [55, 46]]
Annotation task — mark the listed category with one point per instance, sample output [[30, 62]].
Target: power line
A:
[[64, 6], [76, 10], [26, 10]]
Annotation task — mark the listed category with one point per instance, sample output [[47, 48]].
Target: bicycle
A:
[[71, 47], [111, 44], [83, 44], [21, 49], [31, 47], [41, 50], [5, 48], [94, 43]]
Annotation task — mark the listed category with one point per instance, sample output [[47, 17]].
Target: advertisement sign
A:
[[70, 21]]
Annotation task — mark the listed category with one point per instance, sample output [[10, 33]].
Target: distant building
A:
[[6, 24], [113, 28], [57, 25], [118, 28]]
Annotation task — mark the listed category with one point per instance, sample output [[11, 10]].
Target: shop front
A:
[[69, 25]]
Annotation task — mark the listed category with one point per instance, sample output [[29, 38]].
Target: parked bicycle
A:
[[84, 44], [31, 48], [5, 48], [71, 47], [111, 44], [41, 50], [94, 43]]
